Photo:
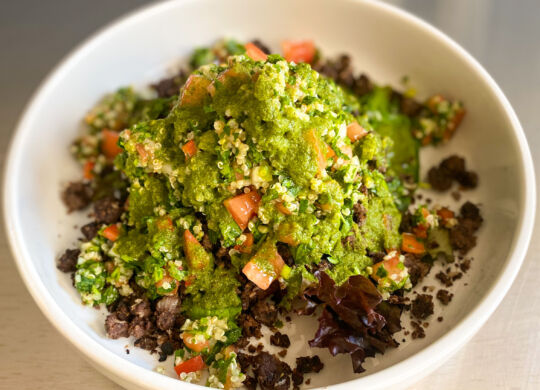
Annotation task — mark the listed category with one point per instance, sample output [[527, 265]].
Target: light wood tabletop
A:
[[503, 35]]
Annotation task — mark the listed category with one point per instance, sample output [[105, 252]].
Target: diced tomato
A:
[[433, 103], [427, 140], [221, 79], [299, 51], [165, 223], [194, 346], [228, 350], [330, 152], [288, 239], [422, 226], [195, 90], [167, 279], [410, 244], [254, 52], [345, 149], [325, 206], [453, 124], [190, 149], [111, 232], [265, 266], [257, 276], [445, 214], [228, 382], [286, 233], [189, 280], [282, 209], [320, 149], [109, 143], [224, 78], [243, 207], [420, 231], [355, 132], [197, 257], [194, 364], [88, 168], [189, 238], [277, 262], [247, 245], [391, 266]]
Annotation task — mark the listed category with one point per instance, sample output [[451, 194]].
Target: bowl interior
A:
[[383, 43]]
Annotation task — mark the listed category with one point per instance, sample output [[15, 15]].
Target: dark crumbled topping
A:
[[417, 268], [468, 180], [462, 236], [140, 327], [444, 296], [285, 252], [359, 214], [407, 222], [115, 327], [108, 210], [270, 372], [250, 383], [342, 72], [77, 196], [165, 320], [244, 360], [444, 279], [449, 170], [454, 165], [141, 308], [250, 327], [297, 378], [90, 230], [170, 86], [265, 312], [146, 342], [439, 179], [422, 306], [418, 331], [462, 239], [409, 106], [308, 364], [68, 261], [242, 343], [167, 348], [471, 213], [280, 340], [465, 265]]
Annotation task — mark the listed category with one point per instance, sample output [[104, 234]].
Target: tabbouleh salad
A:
[[251, 186]]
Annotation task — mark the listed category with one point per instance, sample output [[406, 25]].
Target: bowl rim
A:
[[408, 370]]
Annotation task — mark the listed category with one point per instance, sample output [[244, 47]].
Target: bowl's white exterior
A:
[[385, 42]]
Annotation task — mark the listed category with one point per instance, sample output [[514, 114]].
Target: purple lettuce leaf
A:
[[351, 322]]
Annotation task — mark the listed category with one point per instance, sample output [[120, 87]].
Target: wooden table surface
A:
[[503, 35]]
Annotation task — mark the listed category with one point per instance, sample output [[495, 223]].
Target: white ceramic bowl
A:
[[386, 43]]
